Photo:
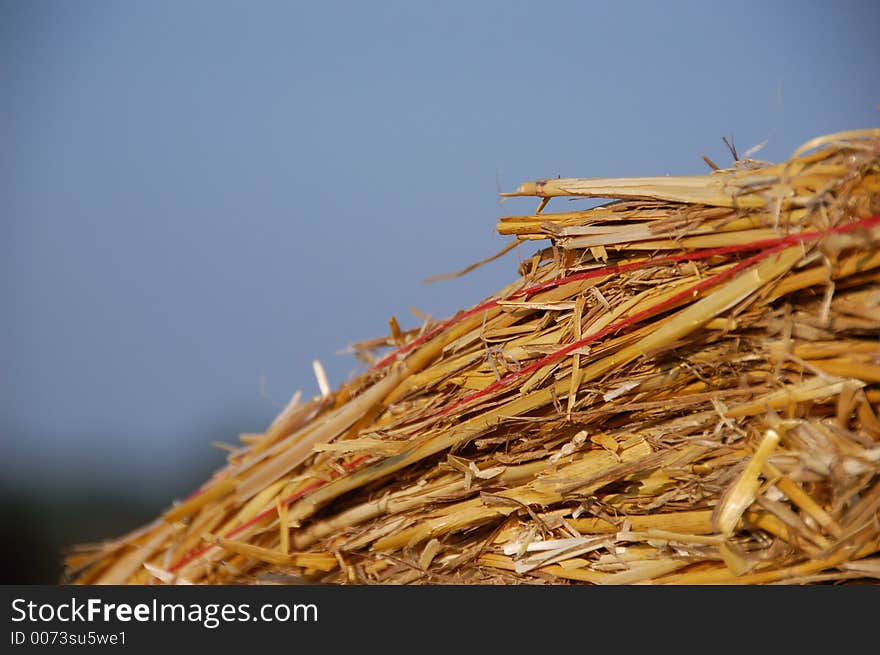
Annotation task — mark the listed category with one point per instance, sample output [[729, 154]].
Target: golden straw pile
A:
[[681, 387]]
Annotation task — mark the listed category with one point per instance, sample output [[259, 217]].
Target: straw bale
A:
[[680, 386]]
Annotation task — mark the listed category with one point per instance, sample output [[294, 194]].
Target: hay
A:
[[681, 388]]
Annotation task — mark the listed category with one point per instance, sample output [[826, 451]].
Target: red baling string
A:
[[775, 245], [624, 268], [635, 318], [198, 552]]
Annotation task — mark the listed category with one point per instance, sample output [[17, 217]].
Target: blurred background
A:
[[200, 198]]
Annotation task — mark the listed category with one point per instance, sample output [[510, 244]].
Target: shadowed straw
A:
[[681, 388]]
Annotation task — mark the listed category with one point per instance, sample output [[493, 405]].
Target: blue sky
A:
[[199, 198]]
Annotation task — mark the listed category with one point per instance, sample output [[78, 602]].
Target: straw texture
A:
[[680, 386]]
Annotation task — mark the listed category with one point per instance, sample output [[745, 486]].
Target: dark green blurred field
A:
[[38, 525], [37, 529]]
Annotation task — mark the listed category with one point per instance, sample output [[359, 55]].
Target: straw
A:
[[680, 387]]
